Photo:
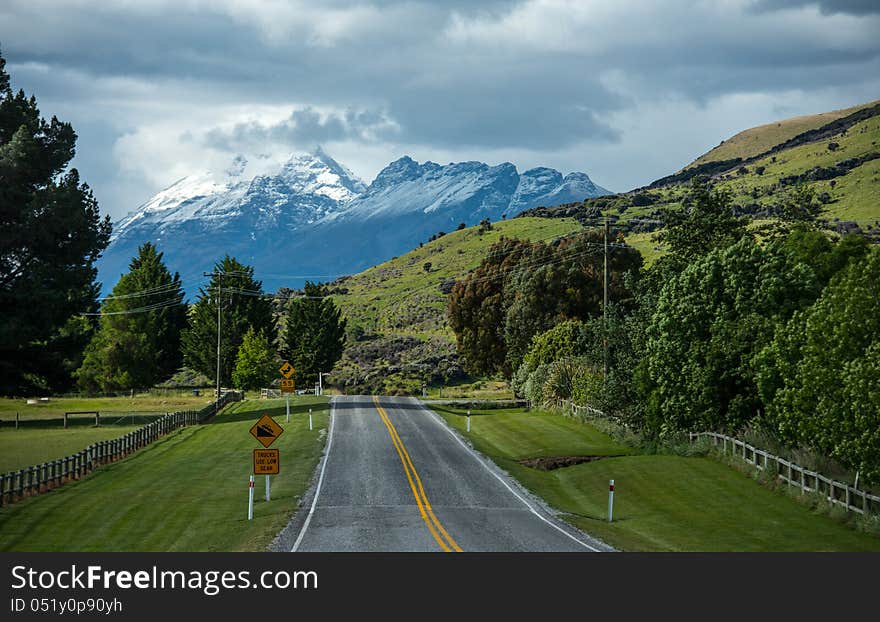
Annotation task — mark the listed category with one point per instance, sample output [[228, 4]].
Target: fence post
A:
[[2, 488], [20, 483]]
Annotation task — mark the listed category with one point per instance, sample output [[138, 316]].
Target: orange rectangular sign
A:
[[267, 461]]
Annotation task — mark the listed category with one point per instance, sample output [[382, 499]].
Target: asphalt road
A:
[[395, 478]]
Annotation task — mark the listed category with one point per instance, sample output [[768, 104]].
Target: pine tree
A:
[[242, 307], [314, 335], [138, 341], [257, 362], [51, 234]]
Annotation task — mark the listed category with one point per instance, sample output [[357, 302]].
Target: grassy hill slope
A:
[[839, 162], [756, 140], [398, 336], [397, 329]]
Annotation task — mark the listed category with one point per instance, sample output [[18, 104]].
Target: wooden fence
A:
[[36, 479], [569, 407], [838, 493]]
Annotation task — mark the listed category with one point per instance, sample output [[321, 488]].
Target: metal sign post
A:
[[251, 498], [288, 407]]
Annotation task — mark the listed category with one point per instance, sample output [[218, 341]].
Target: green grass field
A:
[[185, 492], [27, 447], [662, 502], [56, 407]]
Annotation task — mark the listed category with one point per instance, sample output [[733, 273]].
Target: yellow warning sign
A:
[[287, 369], [267, 461], [266, 430], [287, 385]]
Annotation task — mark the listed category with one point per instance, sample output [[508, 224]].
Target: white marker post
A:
[[288, 406], [268, 496], [469, 421], [310, 419], [251, 498], [610, 500]]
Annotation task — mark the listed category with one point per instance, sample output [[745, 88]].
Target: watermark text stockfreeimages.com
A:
[[209, 582]]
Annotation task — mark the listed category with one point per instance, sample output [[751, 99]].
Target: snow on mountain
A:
[[405, 186], [314, 216]]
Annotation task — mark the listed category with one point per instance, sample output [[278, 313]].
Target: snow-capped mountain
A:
[[312, 216]]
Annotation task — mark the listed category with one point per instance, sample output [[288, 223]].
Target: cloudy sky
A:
[[624, 90]]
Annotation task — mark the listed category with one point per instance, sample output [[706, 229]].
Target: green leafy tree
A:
[[242, 306], [709, 323], [51, 234], [257, 362], [138, 340], [313, 335], [819, 376], [706, 222]]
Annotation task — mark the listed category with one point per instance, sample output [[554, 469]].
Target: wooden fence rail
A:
[[36, 479], [838, 493]]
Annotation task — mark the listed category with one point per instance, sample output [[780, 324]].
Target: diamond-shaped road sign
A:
[[287, 369], [266, 430]]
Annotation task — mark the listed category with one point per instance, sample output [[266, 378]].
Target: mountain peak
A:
[[318, 173]]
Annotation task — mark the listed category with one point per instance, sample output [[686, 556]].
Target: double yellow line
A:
[[446, 542]]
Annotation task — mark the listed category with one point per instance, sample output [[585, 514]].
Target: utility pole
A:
[[218, 275], [605, 307]]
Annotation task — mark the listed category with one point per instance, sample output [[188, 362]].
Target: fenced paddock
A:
[[79, 419], [16, 485], [835, 492]]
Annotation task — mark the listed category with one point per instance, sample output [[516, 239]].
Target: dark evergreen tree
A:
[[563, 282], [138, 340], [313, 336], [476, 307], [243, 306], [51, 234]]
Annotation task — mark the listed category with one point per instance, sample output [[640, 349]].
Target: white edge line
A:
[[305, 526], [506, 485]]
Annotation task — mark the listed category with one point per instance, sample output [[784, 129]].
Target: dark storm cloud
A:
[[305, 126], [827, 7], [528, 98], [455, 76]]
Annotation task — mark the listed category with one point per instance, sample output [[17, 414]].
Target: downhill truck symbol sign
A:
[[266, 430], [287, 369]]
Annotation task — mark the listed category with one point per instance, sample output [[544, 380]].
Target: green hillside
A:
[[756, 140], [838, 162], [397, 331]]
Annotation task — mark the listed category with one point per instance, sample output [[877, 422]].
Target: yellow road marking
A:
[[421, 498]]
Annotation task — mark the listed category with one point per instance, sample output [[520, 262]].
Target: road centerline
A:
[[446, 541]]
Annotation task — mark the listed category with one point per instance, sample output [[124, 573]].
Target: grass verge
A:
[[662, 502], [24, 448], [107, 406], [185, 492]]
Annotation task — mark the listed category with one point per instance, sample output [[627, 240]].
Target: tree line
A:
[[771, 327], [57, 333]]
